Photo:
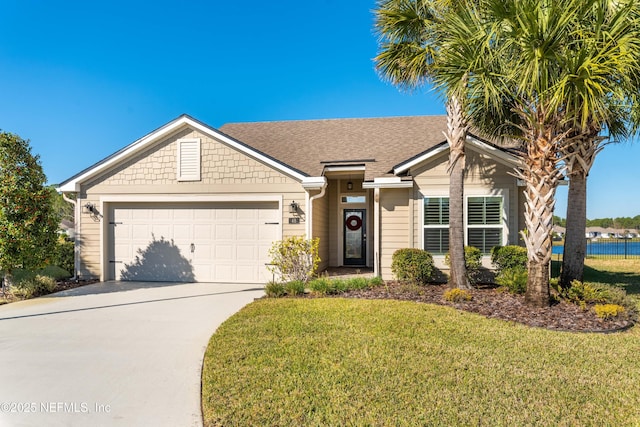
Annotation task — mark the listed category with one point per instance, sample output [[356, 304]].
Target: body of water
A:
[[613, 248]]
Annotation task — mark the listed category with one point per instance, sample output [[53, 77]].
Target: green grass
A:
[[316, 362]]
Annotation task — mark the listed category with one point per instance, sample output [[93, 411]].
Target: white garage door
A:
[[219, 242]]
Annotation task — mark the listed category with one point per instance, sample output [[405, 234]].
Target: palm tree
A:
[[545, 70], [410, 39], [611, 23]]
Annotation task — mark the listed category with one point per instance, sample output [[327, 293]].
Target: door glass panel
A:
[[353, 235]]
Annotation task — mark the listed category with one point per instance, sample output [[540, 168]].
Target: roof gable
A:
[[184, 121]]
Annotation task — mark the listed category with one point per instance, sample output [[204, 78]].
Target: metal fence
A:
[[610, 248]]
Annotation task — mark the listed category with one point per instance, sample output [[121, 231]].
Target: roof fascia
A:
[[392, 182], [492, 150], [73, 183]]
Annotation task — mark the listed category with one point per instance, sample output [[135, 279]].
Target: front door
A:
[[355, 237]]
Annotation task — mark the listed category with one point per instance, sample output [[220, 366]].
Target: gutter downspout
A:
[[310, 207], [376, 232], [76, 230]]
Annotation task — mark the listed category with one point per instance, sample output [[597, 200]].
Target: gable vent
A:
[[189, 159]]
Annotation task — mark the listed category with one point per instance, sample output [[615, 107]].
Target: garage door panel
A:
[[247, 232], [210, 242]]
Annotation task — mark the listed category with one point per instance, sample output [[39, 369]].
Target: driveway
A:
[[111, 354]]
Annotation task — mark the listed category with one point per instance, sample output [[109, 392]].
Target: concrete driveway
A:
[[111, 354]]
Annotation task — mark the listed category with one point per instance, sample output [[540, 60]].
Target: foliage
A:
[[412, 265], [457, 295], [274, 290], [33, 285], [472, 262], [508, 257], [514, 279], [295, 258], [55, 272], [63, 209], [608, 311], [327, 286], [28, 222], [294, 287], [286, 362], [63, 255], [590, 293]]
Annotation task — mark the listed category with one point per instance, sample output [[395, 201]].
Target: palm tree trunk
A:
[[541, 174], [579, 154], [456, 136], [575, 242]]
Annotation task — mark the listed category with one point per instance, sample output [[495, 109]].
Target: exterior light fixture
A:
[[293, 207], [349, 185]]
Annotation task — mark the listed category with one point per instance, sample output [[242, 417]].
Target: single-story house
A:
[[194, 203]]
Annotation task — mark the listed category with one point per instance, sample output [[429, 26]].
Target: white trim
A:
[[343, 169], [180, 158], [403, 167], [73, 185], [499, 192], [314, 182], [106, 200], [388, 182], [497, 153]]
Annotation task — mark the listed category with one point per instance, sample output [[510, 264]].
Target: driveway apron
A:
[[111, 354]]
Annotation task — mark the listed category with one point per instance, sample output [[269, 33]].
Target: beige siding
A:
[[484, 176], [394, 226], [321, 228], [335, 224], [225, 172]]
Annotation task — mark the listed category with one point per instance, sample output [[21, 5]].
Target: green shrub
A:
[[412, 265], [514, 279], [511, 256], [274, 290], [55, 272], [376, 281], [356, 283], [293, 288], [63, 256], [587, 293], [472, 262], [608, 311], [320, 286], [295, 258], [457, 295], [32, 286]]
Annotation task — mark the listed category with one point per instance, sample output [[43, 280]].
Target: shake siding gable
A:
[[224, 171]]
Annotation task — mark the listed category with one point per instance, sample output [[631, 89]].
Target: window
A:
[[436, 225], [484, 222], [188, 159], [354, 199]]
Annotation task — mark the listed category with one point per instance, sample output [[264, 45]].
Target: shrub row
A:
[[320, 286]]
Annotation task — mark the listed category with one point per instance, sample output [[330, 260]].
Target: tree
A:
[[411, 37], [540, 67], [28, 224], [616, 24]]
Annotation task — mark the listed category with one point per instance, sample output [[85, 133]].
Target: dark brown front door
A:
[[355, 237]]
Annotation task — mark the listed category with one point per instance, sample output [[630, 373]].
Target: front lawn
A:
[[334, 361]]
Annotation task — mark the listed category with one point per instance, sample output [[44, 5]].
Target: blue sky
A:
[[82, 79]]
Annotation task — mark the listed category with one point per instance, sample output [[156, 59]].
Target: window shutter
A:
[[189, 159], [436, 211]]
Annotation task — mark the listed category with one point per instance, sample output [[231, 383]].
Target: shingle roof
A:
[[310, 145]]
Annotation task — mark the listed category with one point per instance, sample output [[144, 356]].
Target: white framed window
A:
[[485, 222], [436, 225], [188, 159]]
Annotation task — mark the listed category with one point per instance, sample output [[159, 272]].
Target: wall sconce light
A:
[[293, 207], [349, 185], [91, 208]]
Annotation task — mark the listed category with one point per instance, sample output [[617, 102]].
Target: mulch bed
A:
[[495, 303], [64, 285]]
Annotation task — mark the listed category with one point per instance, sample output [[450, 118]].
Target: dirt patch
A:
[[495, 303]]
